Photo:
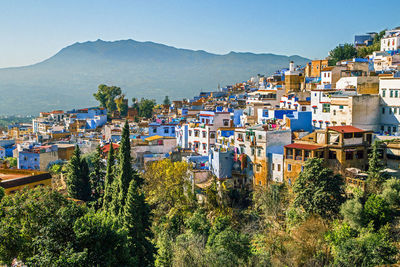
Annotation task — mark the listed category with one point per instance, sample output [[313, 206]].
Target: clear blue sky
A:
[[32, 31]]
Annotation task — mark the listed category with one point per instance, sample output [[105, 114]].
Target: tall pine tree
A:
[[78, 185], [125, 172], [97, 179], [109, 179], [136, 220]]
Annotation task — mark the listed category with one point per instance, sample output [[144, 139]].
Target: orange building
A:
[[15, 180]]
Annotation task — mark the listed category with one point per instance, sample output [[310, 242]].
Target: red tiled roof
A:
[[303, 146], [346, 129], [106, 148]]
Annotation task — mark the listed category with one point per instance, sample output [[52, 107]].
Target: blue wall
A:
[[164, 130]]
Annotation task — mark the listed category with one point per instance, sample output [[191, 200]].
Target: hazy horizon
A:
[[32, 32]]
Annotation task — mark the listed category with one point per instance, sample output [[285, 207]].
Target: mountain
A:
[[142, 69]]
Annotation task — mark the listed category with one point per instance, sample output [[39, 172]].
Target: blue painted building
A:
[[221, 163], [165, 130], [300, 120], [28, 160]]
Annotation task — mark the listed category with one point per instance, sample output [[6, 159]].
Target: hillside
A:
[[142, 69]]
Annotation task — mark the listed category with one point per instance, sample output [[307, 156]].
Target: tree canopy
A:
[[318, 190], [342, 52]]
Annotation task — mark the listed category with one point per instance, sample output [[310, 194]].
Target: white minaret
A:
[[291, 66]]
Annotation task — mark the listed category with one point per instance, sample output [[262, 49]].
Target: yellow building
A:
[[15, 180]]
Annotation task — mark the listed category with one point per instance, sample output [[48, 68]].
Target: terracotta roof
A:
[[106, 148], [303, 146], [346, 129]]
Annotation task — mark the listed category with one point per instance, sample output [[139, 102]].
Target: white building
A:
[[389, 90], [391, 40], [202, 134]]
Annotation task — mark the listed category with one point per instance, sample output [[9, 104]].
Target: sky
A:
[[32, 31]]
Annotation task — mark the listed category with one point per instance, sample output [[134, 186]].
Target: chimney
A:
[[291, 66]]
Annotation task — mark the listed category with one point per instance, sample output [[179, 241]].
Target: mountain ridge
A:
[[142, 69]]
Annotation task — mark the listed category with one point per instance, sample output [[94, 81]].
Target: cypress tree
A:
[[125, 172], [97, 179], [77, 181], [136, 220], [109, 179]]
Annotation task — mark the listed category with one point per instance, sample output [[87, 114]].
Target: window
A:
[[252, 151], [154, 130], [326, 108], [259, 152], [383, 110], [190, 133], [204, 146], [384, 93], [334, 112], [241, 149], [289, 167], [279, 167], [358, 135], [391, 93], [166, 130], [273, 166], [332, 155], [349, 155], [360, 154], [204, 134], [196, 133], [212, 135], [226, 122], [394, 129], [25, 158], [347, 135], [396, 93], [390, 110], [260, 137], [340, 107], [258, 168]]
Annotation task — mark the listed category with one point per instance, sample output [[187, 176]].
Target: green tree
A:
[[12, 162], [166, 101], [376, 211], [106, 96], [376, 176], [125, 172], [136, 220], [78, 185], [146, 108], [342, 52], [368, 249], [318, 190], [391, 192], [97, 179], [109, 179], [22, 218], [353, 213], [106, 245], [1, 193], [122, 105], [227, 246]]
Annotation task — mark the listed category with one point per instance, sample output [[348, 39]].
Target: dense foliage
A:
[[342, 52], [156, 219]]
